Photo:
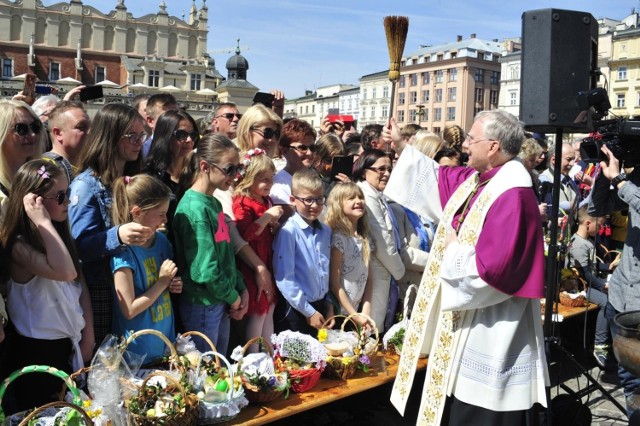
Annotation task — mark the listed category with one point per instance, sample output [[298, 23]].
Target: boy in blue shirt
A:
[[301, 253]]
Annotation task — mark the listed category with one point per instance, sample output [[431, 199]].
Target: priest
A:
[[477, 313]]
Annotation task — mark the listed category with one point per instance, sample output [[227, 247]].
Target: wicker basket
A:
[[341, 367], [372, 351], [75, 393], [57, 404], [255, 394], [572, 302], [173, 358], [189, 417], [238, 401], [304, 380], [207, 340]]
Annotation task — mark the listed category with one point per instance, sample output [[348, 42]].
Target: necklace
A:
[[465, 208]]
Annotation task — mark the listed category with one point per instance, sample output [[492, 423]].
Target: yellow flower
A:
[[346, 360], [87, 403], [322, 334]]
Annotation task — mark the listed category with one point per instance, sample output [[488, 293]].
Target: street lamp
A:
[[420, 112]]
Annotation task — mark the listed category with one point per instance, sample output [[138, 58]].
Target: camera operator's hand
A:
[[611, 167]]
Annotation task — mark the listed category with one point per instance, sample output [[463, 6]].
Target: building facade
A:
[[67, 43], [375, 98], [448, 84]]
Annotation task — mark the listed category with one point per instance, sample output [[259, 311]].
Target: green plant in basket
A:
[[156, 402], [397, 339]]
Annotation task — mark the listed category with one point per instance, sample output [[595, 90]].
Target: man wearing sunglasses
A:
[[225, 119], [297, 147]]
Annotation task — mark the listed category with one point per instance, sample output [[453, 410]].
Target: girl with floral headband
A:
[[257, 221], [46, 299]]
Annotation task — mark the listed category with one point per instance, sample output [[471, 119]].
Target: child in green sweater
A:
[[212, 285]]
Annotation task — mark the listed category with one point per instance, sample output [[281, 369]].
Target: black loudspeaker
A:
[[559, 60]]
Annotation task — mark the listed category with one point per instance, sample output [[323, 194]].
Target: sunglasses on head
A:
[[268, 133], [182, 135], [229, 115], [304, 148], [60, 196], [22, 129], [232, 170]]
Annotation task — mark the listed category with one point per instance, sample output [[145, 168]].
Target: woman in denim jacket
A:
[[112, 152]]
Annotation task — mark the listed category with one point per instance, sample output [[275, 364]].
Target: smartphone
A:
[[91, 92], [341, 164], [43, 90], [263, 98], [29, 88]]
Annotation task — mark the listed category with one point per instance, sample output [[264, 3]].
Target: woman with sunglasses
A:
[[372, 173], [174, 137], [297, 147], [113, 151], [47, 302], [21, 139], [259, 127]]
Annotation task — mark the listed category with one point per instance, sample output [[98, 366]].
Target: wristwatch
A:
[[620, 178]]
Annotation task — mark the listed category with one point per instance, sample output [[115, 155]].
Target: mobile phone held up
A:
[[90, 93], [341, 164], [263, 98], [29, 88]]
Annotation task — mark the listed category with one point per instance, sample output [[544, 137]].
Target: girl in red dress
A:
[[257, 221]]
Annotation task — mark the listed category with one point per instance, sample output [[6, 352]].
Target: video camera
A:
[[620, 135]]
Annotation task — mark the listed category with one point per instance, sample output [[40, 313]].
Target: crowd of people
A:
[[235, 226]]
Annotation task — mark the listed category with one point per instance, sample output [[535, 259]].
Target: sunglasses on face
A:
[[136, 138], [60, 196], [268, 133], [229, 115], [304, 148], [182, 135], [309, 201], [382, 170], [232, 170], [22, 129]]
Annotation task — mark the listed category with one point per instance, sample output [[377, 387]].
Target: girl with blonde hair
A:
[[257, 221], [349, 277], [144, 275]]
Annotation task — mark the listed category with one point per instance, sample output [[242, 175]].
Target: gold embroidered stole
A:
[[443, 334]]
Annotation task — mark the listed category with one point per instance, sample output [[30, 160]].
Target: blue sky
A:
[[298, 45]]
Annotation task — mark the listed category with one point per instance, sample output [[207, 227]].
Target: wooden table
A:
[[566, 312], [325, 392]]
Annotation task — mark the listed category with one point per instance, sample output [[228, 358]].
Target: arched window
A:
[[41, 27], [87, 36], [16, 27], [63, 33], [152, 40], [173, 45], [109, 35], [131, 40]]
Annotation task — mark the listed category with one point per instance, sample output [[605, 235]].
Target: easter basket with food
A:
[[347, 351], [261, 382], [301, 356]]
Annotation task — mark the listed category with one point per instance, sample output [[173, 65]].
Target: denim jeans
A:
[[213, 321], [602, 325], [630, 382]]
